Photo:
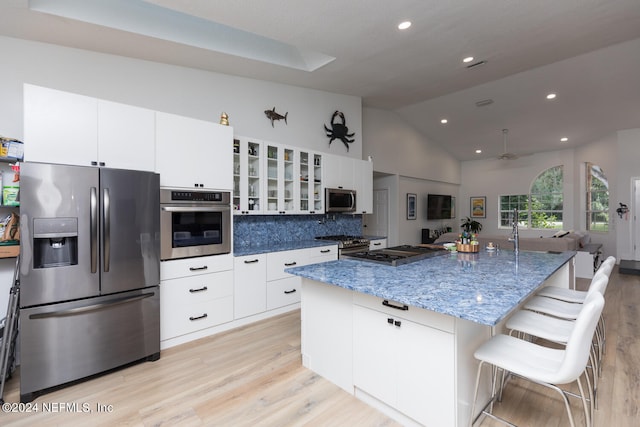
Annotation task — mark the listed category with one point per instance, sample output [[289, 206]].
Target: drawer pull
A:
[[325, 251], [390, 320], [251, 261], [290, 292], [397, 307], [397, 323], [290, 264], [204, 316], [193, 291], [204, 267], [377, 244]]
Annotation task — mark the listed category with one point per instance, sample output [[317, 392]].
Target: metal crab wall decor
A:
[[339, 130]]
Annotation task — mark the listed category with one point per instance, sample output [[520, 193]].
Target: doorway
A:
[[377, 224]]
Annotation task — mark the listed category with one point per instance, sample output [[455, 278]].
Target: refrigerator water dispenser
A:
[[55, 242]]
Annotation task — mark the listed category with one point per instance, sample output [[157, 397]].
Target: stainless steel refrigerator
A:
[[89, 272]]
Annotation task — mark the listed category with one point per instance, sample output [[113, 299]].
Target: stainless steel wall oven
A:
[[194, 223]]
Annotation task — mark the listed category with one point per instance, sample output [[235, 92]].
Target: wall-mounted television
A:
[[438, 206]]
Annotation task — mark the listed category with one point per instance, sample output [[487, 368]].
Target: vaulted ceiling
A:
[[585, 51]]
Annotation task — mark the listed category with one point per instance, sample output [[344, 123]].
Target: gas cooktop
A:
[[398, 255]]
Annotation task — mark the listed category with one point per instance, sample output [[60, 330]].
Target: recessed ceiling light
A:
[[478, 151], [444, 121], [468, 59], [564, 139], [551, 96], [404, 25]]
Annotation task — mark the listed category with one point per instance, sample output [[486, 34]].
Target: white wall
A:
[[397, 148], [410, 231], [184, 91], [494, 178], [413, 164]]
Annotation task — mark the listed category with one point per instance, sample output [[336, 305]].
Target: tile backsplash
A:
[[258, 230]]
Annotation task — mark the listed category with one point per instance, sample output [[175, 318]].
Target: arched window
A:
[[597, 199], [542, 207], [547, 199]]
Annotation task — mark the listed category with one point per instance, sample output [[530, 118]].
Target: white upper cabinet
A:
[[126, 136], [59, 127], [364, 186], [281, 167], [248, 164], [351, 174], [193, 153], [338, 172], [310, 186], [67, 128]]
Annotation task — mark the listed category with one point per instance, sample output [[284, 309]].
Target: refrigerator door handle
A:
[[92, 307], [106, 203], [93, 232]]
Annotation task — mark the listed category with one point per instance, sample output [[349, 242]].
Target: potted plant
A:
[[471, 225]]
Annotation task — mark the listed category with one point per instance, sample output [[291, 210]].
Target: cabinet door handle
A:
[[397, 323], [204, 316], [290, 292], [193, 291], [251, 261], [325, 251], [290, 264], [198, 268], [397, 307], [390, 320]]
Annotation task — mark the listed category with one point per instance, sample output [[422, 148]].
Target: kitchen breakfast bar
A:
[[402, 338]]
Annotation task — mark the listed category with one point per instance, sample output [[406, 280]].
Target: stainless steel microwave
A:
[[339, 200]]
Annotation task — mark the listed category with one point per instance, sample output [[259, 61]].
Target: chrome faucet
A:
[[515, 238]]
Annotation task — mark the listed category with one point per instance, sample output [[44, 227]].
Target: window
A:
[[511, 202], [547, 199], [597, 199], [541, 208]]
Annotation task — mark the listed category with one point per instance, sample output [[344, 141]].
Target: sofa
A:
[[565, 241]]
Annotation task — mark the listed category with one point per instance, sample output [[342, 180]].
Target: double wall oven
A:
[[194, 223]]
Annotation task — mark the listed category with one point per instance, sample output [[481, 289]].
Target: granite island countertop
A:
[[483, 287]]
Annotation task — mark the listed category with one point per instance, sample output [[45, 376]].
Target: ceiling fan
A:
[[505, 154]]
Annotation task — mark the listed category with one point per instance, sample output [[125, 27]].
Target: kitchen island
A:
[[402, 338]]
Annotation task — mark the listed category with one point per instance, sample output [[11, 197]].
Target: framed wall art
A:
[[478, 207], [411, 205]]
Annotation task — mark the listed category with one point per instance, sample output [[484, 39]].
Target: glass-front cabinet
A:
[[311, 194], [248, 157], [281, 191], [270, 178]]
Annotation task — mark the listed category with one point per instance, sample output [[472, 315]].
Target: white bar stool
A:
[[525, 322], [542, 365], [572, 295], [569, 311]]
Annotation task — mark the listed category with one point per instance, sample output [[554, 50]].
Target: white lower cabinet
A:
[[250, 285], [261, 284], [189, 304], [377, 244], [284, 289], [283, 292], [398, 361], [195, 294]]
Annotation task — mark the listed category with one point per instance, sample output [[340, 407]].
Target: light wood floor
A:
[[253, 376]]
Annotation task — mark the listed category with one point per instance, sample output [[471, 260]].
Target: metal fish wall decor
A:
[[272, 115]]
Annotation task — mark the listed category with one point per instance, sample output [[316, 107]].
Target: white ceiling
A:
[[587, 51]]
